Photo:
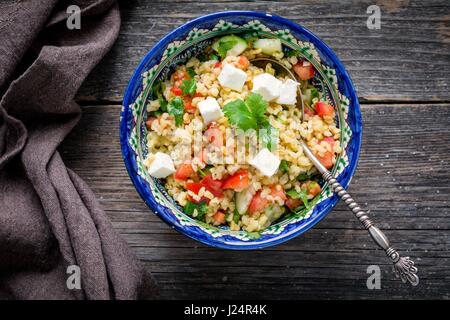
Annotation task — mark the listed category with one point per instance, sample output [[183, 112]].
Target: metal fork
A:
[[403, 266]]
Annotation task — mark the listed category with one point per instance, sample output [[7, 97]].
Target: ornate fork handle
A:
[[403, 266]]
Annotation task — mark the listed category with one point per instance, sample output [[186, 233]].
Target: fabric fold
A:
[[49, 218]]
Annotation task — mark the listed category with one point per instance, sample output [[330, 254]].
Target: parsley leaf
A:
[[292, 53], [212, 56], [240, 115], [246, 115], [189, 87], [302, 195], [250, 114], [191, 72], [303, 176], [157, 89], [258, 106], [284, 166], [201, 208], [204, 172], [162, 104], [225, 45], [176, 108]]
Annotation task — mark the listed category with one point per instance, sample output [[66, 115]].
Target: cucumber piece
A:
[[309, 94], [274, 212], [243, 200], [268, 46], [230, 45]]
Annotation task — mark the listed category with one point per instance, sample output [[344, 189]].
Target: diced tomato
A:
[[214, 136], [329, 140], [313, 188], [204, 156], [324, 109], [257, 204], [218, 64], [195, 188], [189, 107], [213, 186], [188, 104], [278, 193], [309, 111], [219, 218], [176, 91], [184, 171], [198, 95], [149, 122], [304, 70], [293, 203], [237, 181], [180, 75], [326, 159], [242, 62]]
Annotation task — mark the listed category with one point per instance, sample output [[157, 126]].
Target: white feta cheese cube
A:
[[210, 110], [267, 86], [288, 92], [161, 166], [232, 77], [266, 162]]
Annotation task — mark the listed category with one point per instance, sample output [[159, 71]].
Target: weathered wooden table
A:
[[402, 74]]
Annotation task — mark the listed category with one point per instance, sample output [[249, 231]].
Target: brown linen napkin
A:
[[49, 218]]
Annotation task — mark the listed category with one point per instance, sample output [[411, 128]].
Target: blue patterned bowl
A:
[[190, 39]]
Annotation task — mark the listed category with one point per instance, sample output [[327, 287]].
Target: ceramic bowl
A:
[[189, 40]]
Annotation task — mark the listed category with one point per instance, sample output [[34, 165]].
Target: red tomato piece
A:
[[309, 111], [313, 188], [184, 171], [176, 91], [213, 186], [214, 136], [188, 105], [237, 181], [329, 140], [218, 64], [293, 203], [180, 75], [257, 204], [195, 188], [304, 70], [278, 193], [149, 122], [242, 62], [324, 109], [326, 159], [219, 218]]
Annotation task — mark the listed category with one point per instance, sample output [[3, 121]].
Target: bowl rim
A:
[[356, 137]]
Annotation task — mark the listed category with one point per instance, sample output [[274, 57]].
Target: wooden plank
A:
[[402, 178], [406, 60]]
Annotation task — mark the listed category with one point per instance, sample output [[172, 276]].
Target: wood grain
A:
[[408, 59], [403, 178]]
